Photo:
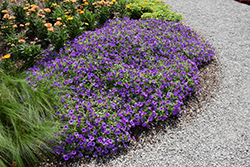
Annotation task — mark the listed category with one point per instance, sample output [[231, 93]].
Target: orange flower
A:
[[81, 12], [128, 7], [4, 11], [25, 8], [6, 16], [21, 40], [51, 29], [2, 58], [58, 23], [21, 25], [27, 4], [12, 17], [6, 56], [74, 1], [31, 10], [47, 10], [36, 7], [27, 24], [40, 11], [32, 5], [14, 26], [28, 13], [48, 25]]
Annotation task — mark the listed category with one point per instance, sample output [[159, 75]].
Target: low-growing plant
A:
[[126, 74]]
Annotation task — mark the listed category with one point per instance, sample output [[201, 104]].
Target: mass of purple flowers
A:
[[128, 73]]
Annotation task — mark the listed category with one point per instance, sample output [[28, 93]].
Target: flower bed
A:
[[128, 73]]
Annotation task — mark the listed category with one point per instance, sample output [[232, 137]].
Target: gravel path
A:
[[221, 135]]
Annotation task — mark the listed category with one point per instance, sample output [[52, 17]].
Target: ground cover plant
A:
[[28, 27], [245, 1], [126, 74]]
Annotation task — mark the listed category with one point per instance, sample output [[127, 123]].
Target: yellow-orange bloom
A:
[[27, 4], [58, 23], [21, 25], [54, 4], [81, 12], [27, 24], [47, 10], [86, 3], [128, 7], [86, 23], [4, 11], [48, 25], [114, 1], [14, 26], [6, 56], [65, 15], [6, 16], [12, 17], [44, 0], [25, 8], [70, 18], [13, 0], [94, 3], [74, 1], [21, 40]]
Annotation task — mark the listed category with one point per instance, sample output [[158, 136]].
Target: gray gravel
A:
[[221, 136]]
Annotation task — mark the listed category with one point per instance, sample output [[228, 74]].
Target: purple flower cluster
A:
[[128, 73]]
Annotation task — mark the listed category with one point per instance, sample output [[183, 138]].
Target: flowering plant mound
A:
[[128, 73], [245, 1]]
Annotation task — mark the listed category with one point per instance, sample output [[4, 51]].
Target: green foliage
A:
[[19, 13], [151, 9], [26, 52], [22, 133], [3, 7]]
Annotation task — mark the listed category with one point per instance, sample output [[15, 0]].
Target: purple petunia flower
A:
[[66, 127]]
